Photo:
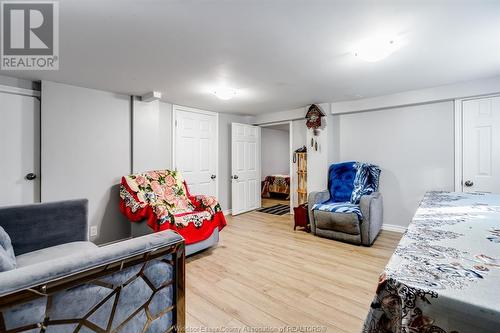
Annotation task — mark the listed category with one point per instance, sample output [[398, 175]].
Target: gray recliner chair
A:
[[356, 222]]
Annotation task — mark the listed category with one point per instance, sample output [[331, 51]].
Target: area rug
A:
[[275, 210]]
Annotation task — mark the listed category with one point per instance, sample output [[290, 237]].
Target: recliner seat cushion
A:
[[341, 222], [339, 207], [7, 256], [53, 252]]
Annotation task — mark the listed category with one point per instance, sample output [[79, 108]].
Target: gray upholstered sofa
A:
[[61, 282], [346, 226]]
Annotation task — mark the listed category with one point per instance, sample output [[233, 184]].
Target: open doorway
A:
[[276, 167]]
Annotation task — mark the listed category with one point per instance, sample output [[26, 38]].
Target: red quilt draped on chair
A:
[[162, 198]]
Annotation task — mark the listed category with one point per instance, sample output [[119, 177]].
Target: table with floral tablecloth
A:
[[445, 273]]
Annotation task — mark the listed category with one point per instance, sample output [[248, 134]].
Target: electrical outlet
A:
[[93, 231]]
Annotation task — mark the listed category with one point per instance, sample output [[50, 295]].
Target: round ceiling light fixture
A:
[[377, 48], [225, 93]]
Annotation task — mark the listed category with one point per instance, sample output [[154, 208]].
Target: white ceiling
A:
[[282, 54]]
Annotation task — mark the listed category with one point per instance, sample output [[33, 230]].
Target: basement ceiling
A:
[[279, 54]]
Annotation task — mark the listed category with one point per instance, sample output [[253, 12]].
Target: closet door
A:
[[481, 145], [19, 149], [196, 149]]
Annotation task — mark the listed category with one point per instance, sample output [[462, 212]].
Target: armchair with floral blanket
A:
[[161, 197]]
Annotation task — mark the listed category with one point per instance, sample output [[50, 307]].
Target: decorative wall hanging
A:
[[313, 118], [314, 144]]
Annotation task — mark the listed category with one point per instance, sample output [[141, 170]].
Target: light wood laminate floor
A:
[[264, 275], [268, 202]]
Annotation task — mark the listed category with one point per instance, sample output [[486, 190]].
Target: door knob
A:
[[469, 183], [30, 176], [235, 177], [213, 177]]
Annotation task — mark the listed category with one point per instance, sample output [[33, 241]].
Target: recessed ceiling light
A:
[[377, 48], [225, 93]]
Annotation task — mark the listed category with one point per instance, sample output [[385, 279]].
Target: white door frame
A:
[[175, 109], [290, 157], [458, 119]]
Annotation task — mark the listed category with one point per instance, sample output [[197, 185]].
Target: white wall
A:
[[413, 97], [275, 152], [151, 136], [152, 142], [319, 160], [93, 149], [413, 145], [225, 120], [86, 148], [89, 140]]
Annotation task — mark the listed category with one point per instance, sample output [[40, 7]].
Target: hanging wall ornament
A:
[[313, 118]]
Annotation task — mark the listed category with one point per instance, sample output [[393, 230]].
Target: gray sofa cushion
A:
[[6, 262], [36, 226], [340, 222], [53, 252], [7, 257]]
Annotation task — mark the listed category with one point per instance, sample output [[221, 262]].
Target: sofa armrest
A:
[[314, 198], [373, 212], [36, 226], [52, 271]]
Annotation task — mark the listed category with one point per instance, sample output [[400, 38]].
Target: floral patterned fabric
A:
[[445, 273], [162, 198]]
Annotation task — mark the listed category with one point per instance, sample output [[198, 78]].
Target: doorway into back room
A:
[[276, 177]]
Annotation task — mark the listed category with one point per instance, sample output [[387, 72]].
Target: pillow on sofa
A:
[[7, 256]]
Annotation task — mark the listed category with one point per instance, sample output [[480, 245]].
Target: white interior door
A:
[[19, 149], [481, 145], [195, 149], [245, 178]]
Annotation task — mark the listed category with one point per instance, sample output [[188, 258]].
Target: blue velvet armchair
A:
[[58, 281], [351, 209]]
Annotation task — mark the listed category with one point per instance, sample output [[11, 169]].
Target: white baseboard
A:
[[227, 212], [393, 227]]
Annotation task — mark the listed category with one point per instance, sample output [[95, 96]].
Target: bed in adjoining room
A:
[[276, 186]]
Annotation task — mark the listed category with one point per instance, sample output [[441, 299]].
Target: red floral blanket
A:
[[161, 197]]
